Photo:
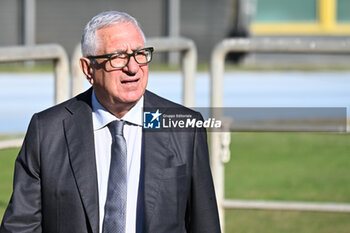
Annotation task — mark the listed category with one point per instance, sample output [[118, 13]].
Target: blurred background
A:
[[205, 22], [263, 167]]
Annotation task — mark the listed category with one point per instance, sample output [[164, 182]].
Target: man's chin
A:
[[130, 99]]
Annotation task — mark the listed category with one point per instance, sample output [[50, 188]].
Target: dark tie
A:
[[115, 208]]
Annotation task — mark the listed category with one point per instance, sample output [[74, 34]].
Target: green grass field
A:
[[7, 163], [311, 167]]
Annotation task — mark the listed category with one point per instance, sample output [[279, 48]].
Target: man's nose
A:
[[132, 66]]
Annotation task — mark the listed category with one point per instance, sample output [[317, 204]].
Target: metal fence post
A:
[[216, 101], [77, 74], [261, 45], [62, 76], [40, 52], [189, 63], [43, 52]]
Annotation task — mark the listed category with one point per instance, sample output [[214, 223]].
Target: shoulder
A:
[[66, 108]]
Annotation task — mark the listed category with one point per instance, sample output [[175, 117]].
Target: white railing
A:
[[53, 52], [219, 142], [43, 52]]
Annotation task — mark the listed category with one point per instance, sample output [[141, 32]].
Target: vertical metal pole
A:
[[77, 74], [29, 22], [174, 28], [61, 76], [327, 14], [29, 25], [189, 68], [216, 99]]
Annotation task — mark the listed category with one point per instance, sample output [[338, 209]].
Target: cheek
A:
[[145, 75], [97, 78], [145, 80], [107, 80]]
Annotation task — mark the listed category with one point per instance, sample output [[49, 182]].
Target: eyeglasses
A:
[[121, 59]]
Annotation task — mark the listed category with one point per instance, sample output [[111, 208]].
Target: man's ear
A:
[[85, 65]]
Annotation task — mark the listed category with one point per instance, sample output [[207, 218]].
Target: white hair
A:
[[89, 42]]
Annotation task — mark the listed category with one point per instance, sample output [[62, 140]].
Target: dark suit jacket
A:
[[55, 181]]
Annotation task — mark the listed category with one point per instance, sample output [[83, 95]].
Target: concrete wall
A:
[[62, 21], [9, 22], [207, 22]]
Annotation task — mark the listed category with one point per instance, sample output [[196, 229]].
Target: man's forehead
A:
[[119, 38], [119, 29]]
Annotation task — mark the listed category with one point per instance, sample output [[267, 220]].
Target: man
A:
[[66, 175]]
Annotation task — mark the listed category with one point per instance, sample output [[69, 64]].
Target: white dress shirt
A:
[[103, 141]]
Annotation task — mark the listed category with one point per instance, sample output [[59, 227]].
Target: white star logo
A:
[[156, 115]]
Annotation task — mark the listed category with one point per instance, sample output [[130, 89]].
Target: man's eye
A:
[[121, 56]]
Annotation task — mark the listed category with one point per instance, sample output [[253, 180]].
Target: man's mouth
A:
[[130, 81]]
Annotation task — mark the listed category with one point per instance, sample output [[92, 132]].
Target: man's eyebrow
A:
[[124, 50], [119, 51]]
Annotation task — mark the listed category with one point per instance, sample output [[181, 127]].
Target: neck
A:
[[117, 108]]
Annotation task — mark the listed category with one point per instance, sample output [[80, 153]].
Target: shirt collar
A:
[[102, 117]]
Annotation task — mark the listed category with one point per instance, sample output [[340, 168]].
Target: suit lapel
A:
[[80, 140]]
